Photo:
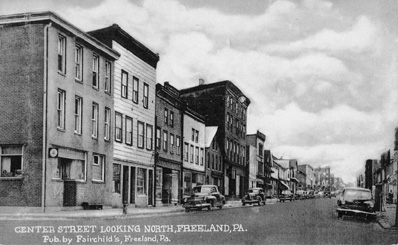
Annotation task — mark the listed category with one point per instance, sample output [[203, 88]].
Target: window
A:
[[61, 109], [178, 144], [236, 108], [228, 120], [212, 161], [108, 76], [171, 143], [196, 136], [107, 124], [61, 54], [197, 155], [71, 169], [146, 95], [192, 153], [129, 131], [135, 89], [94, 121], [171, 119], [78, 114], [193, 135], [78, 63], [208, 159], [95, 71], [116, 178], [166, 116], [140, 135], [186, 153], [118, 127], [98, 167], [158, 138], [149, 137], [260, 150], [11, 160], [141, 181], [124, 87], [165, 140], [202, 157]]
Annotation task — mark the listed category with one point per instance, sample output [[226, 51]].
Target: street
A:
[[311, 221]]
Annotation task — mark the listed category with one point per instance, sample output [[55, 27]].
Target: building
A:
[[169, 142], [194, 131], [309, 181], [293, 167], [255, 158], [283, 175], [214, 158], [224, 105], [322, 178], [55, 118], [134, 102]]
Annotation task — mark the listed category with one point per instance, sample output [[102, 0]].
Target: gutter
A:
[[45, 84]]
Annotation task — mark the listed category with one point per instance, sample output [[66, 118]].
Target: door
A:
[[150, 186], [132, 185], [125, 189]]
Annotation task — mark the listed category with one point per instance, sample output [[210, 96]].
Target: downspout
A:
[[45, 84]]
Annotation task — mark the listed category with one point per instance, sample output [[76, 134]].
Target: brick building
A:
[[224, 105], [55, 118], [214, 159], [255, 157], [134, 99]]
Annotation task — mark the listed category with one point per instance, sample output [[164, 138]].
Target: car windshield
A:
[[205, 189], [357, 194]]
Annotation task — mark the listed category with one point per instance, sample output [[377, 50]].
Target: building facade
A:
[[255, 158], [169, 143], [224, 105], [55, 118], [309, 180], [214, 158], [134, 132]]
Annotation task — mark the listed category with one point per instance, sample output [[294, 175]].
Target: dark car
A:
[[204, 196], [286, 195], [254, 195], [355, 201]]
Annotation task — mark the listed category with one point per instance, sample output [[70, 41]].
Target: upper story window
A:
[[78, 63], [141, 135], [158, 138], [171, 119], [94, 121], [95, 71], [11, 160], [61, 54], [107, 124], [146, 95], [260, 150], [98, 167], [193, 135], [78, 114], [129, 131], [149, 137], [191, 153], [186, 152], [196, 136], [171, 143], [61, 109], [165, 140], [197, 155], [118, 127], [202, 157], [124, 88], [108, 77], [178, 144], [166, 116], [135, 89]]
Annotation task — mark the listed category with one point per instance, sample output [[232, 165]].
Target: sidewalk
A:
[[110, 213], [386, 218]]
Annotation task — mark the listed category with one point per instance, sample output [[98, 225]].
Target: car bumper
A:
[[196, 205], [354, 212]]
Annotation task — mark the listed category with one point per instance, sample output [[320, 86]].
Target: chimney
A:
[[201, 81]]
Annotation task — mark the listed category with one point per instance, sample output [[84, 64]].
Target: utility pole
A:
[[396, 204]]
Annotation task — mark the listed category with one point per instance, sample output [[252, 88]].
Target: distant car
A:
[[286, 195], [311, 194], [319, 194], [355, 201], [204, 196], [254, 195], [301, 194]]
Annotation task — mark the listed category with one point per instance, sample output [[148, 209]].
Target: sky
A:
[[321, 75]]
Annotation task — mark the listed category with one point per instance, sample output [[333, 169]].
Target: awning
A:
[[284, 184]]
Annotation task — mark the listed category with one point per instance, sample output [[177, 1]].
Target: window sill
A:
[[95, 88], [98, 181], [78, 134], [11, 178], [61, 129], [78, 81], [62, 73]]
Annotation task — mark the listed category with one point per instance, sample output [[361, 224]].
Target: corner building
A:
[[134, 127], [55, 114], [224, 105]]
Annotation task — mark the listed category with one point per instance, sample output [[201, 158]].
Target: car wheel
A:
[[243, 203], [259, 201], [212, 203], [220, 207], [339, 215], [209, 208]]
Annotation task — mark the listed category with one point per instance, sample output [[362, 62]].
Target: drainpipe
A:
[[45, 84]]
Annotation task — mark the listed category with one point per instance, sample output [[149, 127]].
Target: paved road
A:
[[300, 222]]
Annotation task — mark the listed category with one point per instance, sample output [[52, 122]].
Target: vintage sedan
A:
[[204, 197], [254, 195], [286, 195], [356, 201]]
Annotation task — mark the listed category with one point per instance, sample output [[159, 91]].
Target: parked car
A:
[[301, 194], [204, 196], [254, 195], [286, 195], [355, 201], [311, 194], [319, 194]]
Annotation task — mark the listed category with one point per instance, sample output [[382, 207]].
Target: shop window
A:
[[141, 181], [116, 178], [98, 167], [71, 169], [11, 160]]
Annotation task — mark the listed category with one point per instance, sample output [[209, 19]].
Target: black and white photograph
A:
[[198, 122]]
